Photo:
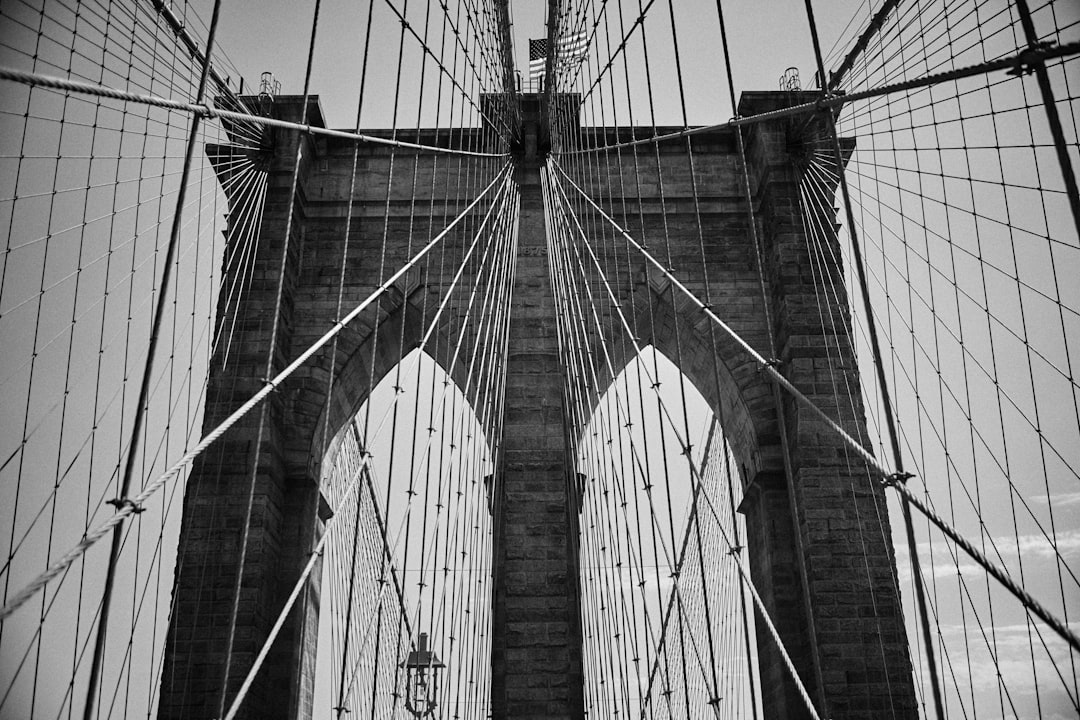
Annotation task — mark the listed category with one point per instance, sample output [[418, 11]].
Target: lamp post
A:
[[421, 679]]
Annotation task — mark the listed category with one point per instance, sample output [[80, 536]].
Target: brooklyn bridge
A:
[[589, 358]]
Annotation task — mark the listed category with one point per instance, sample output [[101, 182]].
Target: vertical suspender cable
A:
[[778, 401], [144, 387], [875, 346], [753, 231], [271, 355], [340, 707], [742, 593]]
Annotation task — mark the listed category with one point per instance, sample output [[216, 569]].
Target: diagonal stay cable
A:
[[691, 522], [315, 555], [317, 551], [406, 26], [672, 561], [734, 552], [766, 365], [152, 487], [141, 406], [894, 480], [693, 467]]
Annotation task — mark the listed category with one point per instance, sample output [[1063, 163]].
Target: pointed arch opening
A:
[[411, 555], [658, 491]]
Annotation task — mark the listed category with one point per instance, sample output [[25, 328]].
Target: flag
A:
[[572, 48], [569, 50], [537, 58]]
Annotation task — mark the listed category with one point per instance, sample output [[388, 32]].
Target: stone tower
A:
[[818, 540]]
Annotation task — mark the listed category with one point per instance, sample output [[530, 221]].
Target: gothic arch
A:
[[364, 365], [730, 381]]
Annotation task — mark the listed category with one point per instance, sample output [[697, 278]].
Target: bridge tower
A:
[[818, 540]]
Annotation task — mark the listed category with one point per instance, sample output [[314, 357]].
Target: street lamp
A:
[[421, 679]]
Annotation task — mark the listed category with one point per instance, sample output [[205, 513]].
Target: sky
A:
[[272, 36], [252, 40], [781, 27]]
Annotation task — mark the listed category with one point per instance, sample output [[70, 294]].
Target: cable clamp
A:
[[121, 503], [1027, 60], [773, 363], [897, 478]]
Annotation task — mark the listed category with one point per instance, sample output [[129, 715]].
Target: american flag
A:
[[569, 49]]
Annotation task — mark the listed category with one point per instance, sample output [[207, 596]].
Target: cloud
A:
[[1058, 500], [1025, 676], [1068, 544], [1032, 547]]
